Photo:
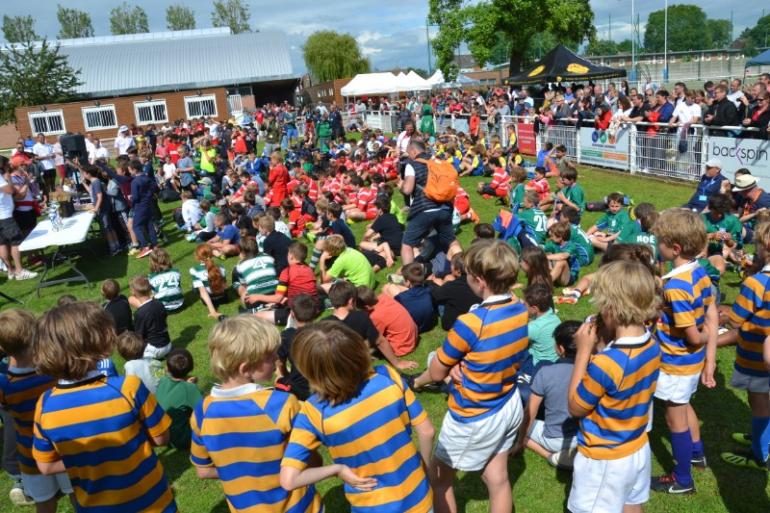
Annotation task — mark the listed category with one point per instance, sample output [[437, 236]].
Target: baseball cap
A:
[[714, 163], [123, 128]]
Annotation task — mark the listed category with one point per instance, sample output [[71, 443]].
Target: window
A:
[[197, 106], [49, 123], [99, 118], [151, 112]]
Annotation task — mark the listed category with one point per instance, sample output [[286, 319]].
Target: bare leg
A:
[[407, 254], [443, 491], [495, 476]]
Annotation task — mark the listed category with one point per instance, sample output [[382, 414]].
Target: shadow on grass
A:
[[334, 500], [187, 336]]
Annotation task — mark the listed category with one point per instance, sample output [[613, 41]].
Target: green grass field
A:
[[536, 486]]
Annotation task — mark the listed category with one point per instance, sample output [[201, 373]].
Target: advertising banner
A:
[[527, 138], [752, 154], [608, 148]]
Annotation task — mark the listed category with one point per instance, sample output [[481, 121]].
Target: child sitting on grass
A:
[[562, 255], [117, 306], [225, 242], [165, 280], [384, 235], [149, 318], [304, 310], [209, 280], [531, 214], [254, 275], [540, 185], [149, 370], [390, 318], [349, 264], [611, 224], [452, 294], [414, 296], [178, 394]]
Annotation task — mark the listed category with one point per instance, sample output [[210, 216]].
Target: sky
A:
[[391, 33]]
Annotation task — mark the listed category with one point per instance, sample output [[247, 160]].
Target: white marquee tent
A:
[[365, 84], [437, 78]]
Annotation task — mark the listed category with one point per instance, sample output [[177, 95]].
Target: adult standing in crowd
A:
[[123, 141], [10, 234], [143, 191], [45, 158], [759, 117], [712, 182], [722, 112], [335, 119]]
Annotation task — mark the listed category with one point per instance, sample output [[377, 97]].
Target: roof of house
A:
[[185, 59]]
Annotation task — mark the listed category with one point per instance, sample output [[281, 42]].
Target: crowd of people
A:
[[517, 377]]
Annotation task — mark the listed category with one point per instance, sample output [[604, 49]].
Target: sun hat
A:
[[744, 183]]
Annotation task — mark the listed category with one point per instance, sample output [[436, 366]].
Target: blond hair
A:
[[17, 330], [334, 244], [334, 359], [71, 339], [682, 227], [495, 262], [160, 260], [266, 223], [627, 292], [762, 235], [238, 340]]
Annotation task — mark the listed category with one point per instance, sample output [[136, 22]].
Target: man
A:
[[686, 113], [403, 139], [680, 90], [10, 235], [562, 109], [424, 214], [736, 92], [44, 156], [712, 182], [764, 79], [335, 119], [640, 108], [753, 197], [123, 141], [710, 89], [102, 153], [90, 147], [722, 112]]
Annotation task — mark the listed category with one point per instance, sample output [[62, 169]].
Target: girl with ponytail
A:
[[209, 280]]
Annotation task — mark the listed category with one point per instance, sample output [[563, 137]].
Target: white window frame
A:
[[152, 104], [87, 110], [46, 114], [204, 97]]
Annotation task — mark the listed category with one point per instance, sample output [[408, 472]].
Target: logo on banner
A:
[[603, 137], [577, 68]]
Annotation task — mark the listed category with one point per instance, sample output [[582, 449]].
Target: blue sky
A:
[[391, 33]]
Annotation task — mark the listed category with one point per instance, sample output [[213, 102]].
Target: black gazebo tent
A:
[[562, 65]]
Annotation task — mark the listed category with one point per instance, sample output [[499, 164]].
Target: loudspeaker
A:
[[73, 145]]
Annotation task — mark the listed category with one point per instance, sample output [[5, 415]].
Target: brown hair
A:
[[160, 260], [334, 244], [204, 254], [334, 359], [532, 196], [683, 227], [518, 174], [130, 345], [179, 362], [266, 223], [140, 286], [537, 266], [365, 297], [561, 230], [248, 247], [495, 262], [630, 253], [17, 330], [71, 339], [298, 251], [110, 288], [414, 273], [341, 292]]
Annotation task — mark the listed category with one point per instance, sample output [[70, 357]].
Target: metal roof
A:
[[169, 61]]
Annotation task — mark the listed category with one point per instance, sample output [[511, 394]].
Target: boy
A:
[[384, 234], [149, 318], [390, 318], [500, 186], [687, 333], [415, 296], [304, 309], [570, 195], [563, 255], [225, 242], [640, 231], [253, 275], [205, 229], [540, 185], [149, 370], [112, 413], [240, 431], [349, 263], [533, 216], [20, 386], [338, 226], [611, 392], [274, 243], [542, 323], [453, 295], [586, 252], [117, 306], [609, 226], [178, 395], [489, 343]]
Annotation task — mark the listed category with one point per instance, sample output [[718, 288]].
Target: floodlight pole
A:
[[665, 43], [633, 42], [427, 43]]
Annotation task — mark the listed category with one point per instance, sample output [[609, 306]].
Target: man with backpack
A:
[[431, 203]]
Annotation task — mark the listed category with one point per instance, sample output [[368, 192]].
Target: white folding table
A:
[[74, 230]]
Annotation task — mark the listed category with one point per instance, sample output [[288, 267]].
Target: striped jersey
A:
[[19, 391], [751, 315], [618, 388], [200, 276], [100, 427], [243, 432], [371, 434], [167, 288], [687, 295], [256, 274], [492, 340]]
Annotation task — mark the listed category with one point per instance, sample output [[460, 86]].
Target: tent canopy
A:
[[365, 84], [437, 78], [562, 65], [413, 82], [761, 59]]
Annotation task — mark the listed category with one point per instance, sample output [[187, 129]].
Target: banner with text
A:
[[753, 154], [608, 148], [527, 139]]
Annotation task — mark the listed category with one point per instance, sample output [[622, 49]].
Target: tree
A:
[[329, 55], [688, 29], [602, 47], [721, 32], [231, 13], [17, 29], [179, 17], [756, 36], [125, 19], [626, 46], [34, 74], [74, 23], [480, 25]]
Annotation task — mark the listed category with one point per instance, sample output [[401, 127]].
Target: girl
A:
[[534, 263], [165, 280], [364, 416], [209, 280]]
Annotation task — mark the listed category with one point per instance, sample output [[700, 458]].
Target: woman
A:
[[759, 117], [603, 117]]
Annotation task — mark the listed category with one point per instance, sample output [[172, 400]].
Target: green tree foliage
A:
[[34, 74], [17, 29], [602, 47], [125, 19], [179, 17], [626, 46], [231, 13], [329, 55], [688, 29], [481, 24], [73, 23], [757, 36]]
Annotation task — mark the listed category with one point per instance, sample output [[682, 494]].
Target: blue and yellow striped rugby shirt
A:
[[492, 340], [19, 391], [618, 388], [243, 432], [371, 434], [100, 427], [687, 295], [751, 315]]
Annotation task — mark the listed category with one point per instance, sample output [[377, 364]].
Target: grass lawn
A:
[[536, 486]]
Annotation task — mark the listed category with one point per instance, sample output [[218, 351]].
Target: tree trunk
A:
[[517, 58]]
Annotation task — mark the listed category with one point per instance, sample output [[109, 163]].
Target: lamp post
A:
[[633, 42], [665, 43]]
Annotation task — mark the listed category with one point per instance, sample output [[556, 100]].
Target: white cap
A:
[[123, 128], [714, 163]]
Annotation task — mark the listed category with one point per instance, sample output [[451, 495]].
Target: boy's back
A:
[[340, 227], [535, 219], [257, 275], [294, 380], [419, 303], [457, 297], [276, 244], [167, 288], [120, 311], [150, 323]]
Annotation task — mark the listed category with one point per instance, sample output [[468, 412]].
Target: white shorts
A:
[[604, 486], [40, 488], [469, 446], [537, 435], [157, 352], [750, 383], [676, 389]]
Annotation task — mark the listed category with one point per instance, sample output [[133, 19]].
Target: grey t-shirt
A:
[[551, 382]]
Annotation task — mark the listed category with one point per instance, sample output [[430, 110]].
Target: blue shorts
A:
[[421, 225]]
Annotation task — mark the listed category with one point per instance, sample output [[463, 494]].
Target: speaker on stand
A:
[[74, 147]]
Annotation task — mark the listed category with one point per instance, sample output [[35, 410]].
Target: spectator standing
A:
[[722, 112]]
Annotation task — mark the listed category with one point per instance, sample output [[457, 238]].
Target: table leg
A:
[[9, 298]]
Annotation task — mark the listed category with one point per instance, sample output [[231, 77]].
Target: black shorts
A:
[[10, 234], [375, 258], [49, 173], [281, 316], [26, 219]]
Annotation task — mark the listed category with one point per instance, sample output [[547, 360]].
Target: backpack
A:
[[443, 181], [511, 228]]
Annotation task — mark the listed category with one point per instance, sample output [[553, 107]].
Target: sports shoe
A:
[[699, 462], [133, 251], [571, 293], [145, 252], [745, 460], [742, 438], [669, 484], [17, 495], [396, 279], [191, 237], [25, 274], [563, 459], [568, 300]]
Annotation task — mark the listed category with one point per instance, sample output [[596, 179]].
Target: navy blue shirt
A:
[[340, 227], [419, 303], [706, 188]]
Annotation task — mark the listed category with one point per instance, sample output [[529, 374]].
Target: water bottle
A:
[[53, 216]]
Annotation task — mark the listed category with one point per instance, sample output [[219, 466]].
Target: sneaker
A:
[[17, 495], [571, 293], [563, 459], [145, 252], [25, 274], [745, 460], [669, 484], [133, 251], [396, 279], [742, 438], [568, 300], [191, 237], [699, 462]]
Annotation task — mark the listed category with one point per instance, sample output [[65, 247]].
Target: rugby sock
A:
[[314, 258], [681, 447], [697, 449], [760, 437]]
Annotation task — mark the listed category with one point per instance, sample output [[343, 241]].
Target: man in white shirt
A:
[[10, 234], [736, 93], [402, 142], [44, 155], [90, 148], [123, 141], [101, 151]]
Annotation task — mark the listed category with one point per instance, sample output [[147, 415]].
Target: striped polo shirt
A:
[[243, 432], [19, 391], [371, 434], [751, 315], [492, 340], [99, 428], [200, 276], [687, 295], [618, 388], [256, 274], [167, 288]]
